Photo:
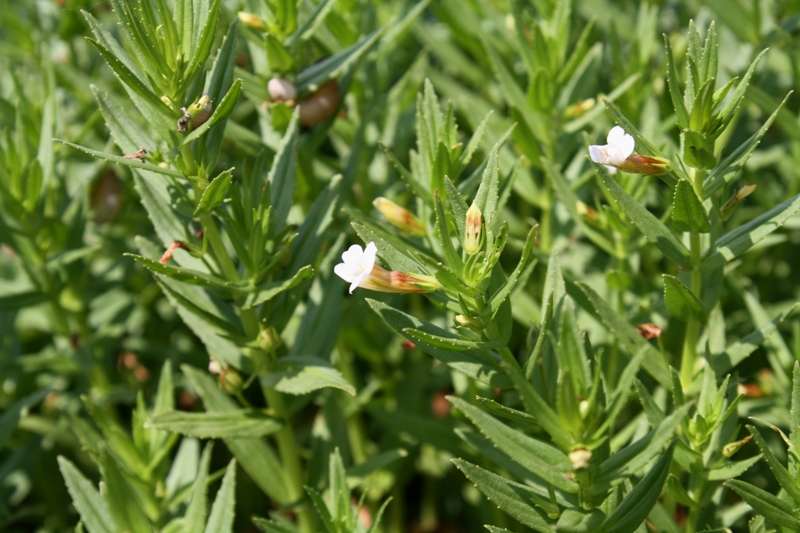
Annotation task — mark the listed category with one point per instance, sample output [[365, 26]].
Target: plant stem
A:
[[220, 252], [689, 356]]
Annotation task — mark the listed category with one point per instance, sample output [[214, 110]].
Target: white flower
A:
[[620, 146], [358, 263]]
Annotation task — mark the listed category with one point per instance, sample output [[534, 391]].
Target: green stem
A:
[[689, 356], [293, 469], [224, 261]]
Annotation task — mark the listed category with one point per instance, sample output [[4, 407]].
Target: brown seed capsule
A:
[[200, 118], [106, 197], [281, 90], [320, 105]]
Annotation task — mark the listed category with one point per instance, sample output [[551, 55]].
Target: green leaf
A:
[[674, 90], [571, 202], [268, 290], [196, 510], [681, 301], [301, 375], [733, 469], [127, 162], [215, 193], [121, 498], [727, 113], [687, 211], [278, 57], [541, 459], [697, 152], [222, 511], [738, 241], [240, 424], [653, 229], [452, 258], [10, 418], [185, 275], [786, 480], [739, 350], [638, 503], [15, 301], [313, 77], [630, 340], [309, 26], [206, 17], [729, 168], [452, 344], [499, 297], [771, 507], [86, 499], [632, 459], [282, 177], [221, 112], [473, 363], [255, 456], [513, 498]]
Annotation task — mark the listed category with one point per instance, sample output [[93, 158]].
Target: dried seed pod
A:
[[281, 90], [106, 197], [320, 105]]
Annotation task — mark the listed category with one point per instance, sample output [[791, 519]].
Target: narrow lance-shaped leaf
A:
[[215, 193], [733, 244], [681, 301], [653, 229], [241, 424], [87, 500], [687, 211]]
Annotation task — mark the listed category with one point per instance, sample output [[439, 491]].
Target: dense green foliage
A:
[[558, 335]]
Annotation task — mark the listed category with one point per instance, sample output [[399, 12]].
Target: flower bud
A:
[[167, 101], [399, 217], [731, 205], [472, 230], [281, 90], [230, 380], [269, 340], [579, 109], [251, 21], [471, 323], [730, 449], [580, 458]]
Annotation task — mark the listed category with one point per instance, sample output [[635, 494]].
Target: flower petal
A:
[[345, 272], [626, 145], [598, 153], [368, 259], [615, 135], [352, 256]]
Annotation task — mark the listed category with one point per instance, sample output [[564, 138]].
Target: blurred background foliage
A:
[[79, 319]]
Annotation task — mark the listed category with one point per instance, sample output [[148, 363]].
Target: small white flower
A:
[[620, 146], [358, 263]]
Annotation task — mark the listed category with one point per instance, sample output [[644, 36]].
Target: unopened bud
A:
[[472, 230], [580, 458], [252, 21], [230, 380], [730, 449], [399, 217], [468, 322], [320, 105], [166, 100], [578, 109], [269, 340], [644, 164], [731, 205], [281, 90]]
